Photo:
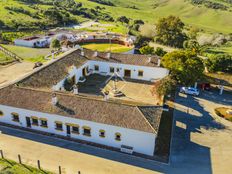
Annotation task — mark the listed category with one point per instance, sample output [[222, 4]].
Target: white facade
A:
[[142, 142], [39, 42], [149, 73]]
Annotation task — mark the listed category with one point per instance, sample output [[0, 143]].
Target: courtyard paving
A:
[[201, 144], [133, 90]]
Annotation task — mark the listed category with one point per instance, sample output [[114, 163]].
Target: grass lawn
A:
[[223, 49], [29, 54], [11, 167], [4, 58], [103, 47]]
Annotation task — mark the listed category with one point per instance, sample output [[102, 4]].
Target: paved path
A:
[[12, 72], [200, 145]]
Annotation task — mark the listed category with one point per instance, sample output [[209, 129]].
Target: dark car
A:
[[37, 64], [205, 86]]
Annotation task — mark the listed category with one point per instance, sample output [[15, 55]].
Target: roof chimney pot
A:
[[108, 55], [95, 54], [159, 61], [54, 99], [75, 89]]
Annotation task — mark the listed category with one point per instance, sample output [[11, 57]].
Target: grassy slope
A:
[[29, 54], [202, 17], [4, 58], [10, 167]]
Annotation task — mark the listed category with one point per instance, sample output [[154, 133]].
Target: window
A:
[[111, 69], [96, 67], [86, 131], [118, 69], [35, 121], [43, 122], [1, 113], [140, 73], [75, 129], [15, 117], [102, 133], [118, 136], [59, 125]]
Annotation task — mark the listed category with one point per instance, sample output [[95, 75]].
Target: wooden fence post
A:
[[1, 153], [19, 157], [38, 163], [59, 170]]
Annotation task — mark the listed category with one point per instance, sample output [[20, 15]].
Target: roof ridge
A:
[[62, 56], [76, 96], [146, 120]]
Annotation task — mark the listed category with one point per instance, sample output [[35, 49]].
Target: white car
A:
[[190, 90]]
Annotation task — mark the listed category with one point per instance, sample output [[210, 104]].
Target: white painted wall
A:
[[142, 142], [149, 73], [25, 43]]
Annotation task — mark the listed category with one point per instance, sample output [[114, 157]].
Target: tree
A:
[[146, 50], [220, 62], [123, 19], [139, 22], [1, 24], [53, 15], [192, 45], [142, 41], [164, 86], [169, 31], [55, 44], [160, 52], [184, 66]]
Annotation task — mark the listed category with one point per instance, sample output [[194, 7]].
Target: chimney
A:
[[53, 55], [95, 54], [75, 89], [108, 55], [54, 99], [106, 95], [159, 61], [82, 53]]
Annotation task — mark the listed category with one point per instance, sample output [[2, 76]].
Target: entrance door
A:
[[68, 130], [84, 71], [28, 120], [127, 73]]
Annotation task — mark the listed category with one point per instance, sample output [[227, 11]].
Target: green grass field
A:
[[115, 48], [11, 167], [148, 10], [29, 54], [4, 58]]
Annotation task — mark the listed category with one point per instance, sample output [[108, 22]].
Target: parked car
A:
[[37, 64], [205, 86], [190, 90]]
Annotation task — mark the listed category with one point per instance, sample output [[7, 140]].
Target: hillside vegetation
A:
[[210, 15]]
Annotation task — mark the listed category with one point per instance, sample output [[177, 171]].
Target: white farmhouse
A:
[[34, 42], [40, 102]]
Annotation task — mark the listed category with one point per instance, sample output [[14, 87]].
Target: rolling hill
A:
[[198, 15]]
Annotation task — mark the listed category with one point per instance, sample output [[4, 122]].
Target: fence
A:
[[38, 163], [9, 53]]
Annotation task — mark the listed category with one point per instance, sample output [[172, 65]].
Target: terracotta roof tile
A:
[[82, 108]]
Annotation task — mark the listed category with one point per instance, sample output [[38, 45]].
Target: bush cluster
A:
[[210, 4]]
